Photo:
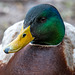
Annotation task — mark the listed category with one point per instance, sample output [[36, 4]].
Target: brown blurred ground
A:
[[12, 11]]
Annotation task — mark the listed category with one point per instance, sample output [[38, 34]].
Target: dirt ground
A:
[[12, 11]]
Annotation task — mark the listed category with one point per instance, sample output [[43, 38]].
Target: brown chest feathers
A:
[[40, 60]]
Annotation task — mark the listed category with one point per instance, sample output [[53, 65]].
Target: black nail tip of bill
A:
[[7, 50]]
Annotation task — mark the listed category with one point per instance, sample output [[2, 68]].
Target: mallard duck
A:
[[50, 51]]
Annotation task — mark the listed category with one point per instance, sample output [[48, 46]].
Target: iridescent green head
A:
[[42, 25], [46, 24]]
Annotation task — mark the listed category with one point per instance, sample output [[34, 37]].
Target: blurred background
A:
[[12, 11]]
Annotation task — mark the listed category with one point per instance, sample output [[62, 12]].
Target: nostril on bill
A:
[[7, 50]]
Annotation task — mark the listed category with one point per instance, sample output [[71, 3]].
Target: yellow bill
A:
[[22, 40]]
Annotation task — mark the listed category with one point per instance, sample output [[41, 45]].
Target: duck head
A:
[[42, 25]]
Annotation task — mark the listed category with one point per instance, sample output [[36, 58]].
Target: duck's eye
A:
[[43, 19], [24, 35]]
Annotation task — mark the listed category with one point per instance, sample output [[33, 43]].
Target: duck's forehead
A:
[[38, 10]]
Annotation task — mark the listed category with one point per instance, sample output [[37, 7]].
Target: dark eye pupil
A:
[[24, 35], [43, 19]]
